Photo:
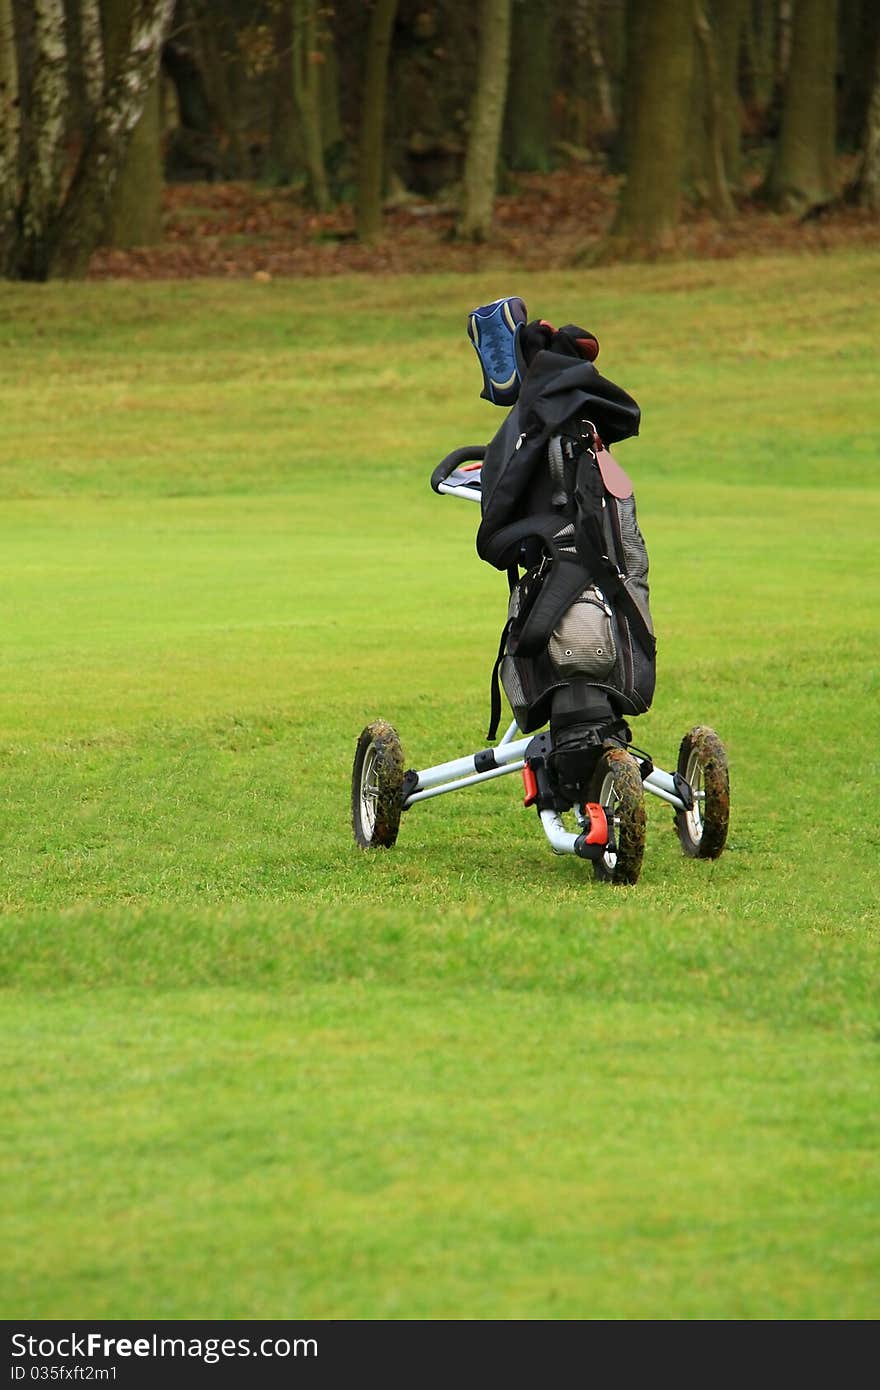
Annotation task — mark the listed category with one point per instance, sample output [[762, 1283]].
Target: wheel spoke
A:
[[369, 791], [609, 798], [694, 775]]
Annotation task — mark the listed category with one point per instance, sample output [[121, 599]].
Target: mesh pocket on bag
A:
[[583, 642], [635, 552], [513, 689]]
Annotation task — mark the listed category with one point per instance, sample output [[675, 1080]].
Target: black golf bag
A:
[[559, 516]]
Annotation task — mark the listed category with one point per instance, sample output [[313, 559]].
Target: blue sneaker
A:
[[495, 331]]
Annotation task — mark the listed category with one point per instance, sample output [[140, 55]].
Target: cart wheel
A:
[[376, 786], [617, 785], [702, 762]]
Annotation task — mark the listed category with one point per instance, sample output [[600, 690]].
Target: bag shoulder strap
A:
[[590, 496], [494, 686], [503, 549]]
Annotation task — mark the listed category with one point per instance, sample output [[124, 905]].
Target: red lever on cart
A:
[[598, 833], [530, 782]]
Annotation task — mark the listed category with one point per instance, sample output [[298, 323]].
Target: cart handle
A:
[[467, 453]]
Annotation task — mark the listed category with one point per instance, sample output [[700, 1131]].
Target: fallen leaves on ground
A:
[[551, 221]]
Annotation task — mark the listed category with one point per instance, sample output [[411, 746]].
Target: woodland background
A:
[[181, 137]]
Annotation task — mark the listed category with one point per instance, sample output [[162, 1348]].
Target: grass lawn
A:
[[249, 1071]]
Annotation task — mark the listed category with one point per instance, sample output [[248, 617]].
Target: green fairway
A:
[[249, 1071]]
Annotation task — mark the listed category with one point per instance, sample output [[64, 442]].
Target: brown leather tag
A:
[[613, 476]]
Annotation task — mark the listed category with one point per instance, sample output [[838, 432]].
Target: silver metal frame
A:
[[509, 756], [465, 490]]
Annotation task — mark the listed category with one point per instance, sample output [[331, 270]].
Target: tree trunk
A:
[[527, 133], [868, 183], [859, 32], [372, 134], [577, 92], [332, 133], [92, 53], [719, 193], [285, 148], [729, 26], [601, 81], [697, 163], [41, 194], [10, 133], [194, 108], [193, 148], [784, 21], [487, 113], [614, 37], [802, 171], [426, 99], [205, 25], [307, 60], [759, 76], [659, 68], [82, 219], [134, 215]]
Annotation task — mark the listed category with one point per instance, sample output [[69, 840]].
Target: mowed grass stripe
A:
[[548, 1161]]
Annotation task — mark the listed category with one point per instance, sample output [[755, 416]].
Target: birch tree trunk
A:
[[487, 114], [371, 158], [92, 50], [10, 133], [41, 193], [82, 219], [134, 212], [134, 215]]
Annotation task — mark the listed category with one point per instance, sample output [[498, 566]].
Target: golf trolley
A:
[[604, 822]]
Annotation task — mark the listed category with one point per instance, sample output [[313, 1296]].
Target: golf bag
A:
[[578, 647]]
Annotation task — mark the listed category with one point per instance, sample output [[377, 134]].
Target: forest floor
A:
[[547, 222]]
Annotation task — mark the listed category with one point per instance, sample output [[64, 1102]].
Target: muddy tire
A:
[[617, 785], [377, 786], [702, 762]]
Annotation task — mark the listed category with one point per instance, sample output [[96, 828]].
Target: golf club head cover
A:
[[494, 329]]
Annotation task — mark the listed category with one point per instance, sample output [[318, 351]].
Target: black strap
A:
[[614, 584], [591, 548], [495, 689], [503, 549], [545, 594]]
